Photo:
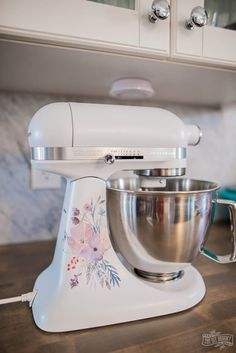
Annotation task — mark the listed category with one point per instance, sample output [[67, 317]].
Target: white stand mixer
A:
[[86, 284]]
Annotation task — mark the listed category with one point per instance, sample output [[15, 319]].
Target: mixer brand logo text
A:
[[217, 339]]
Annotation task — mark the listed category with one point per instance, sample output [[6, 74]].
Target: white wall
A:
[[215, 157]]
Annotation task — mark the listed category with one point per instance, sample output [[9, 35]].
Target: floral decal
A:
[[88, 241]]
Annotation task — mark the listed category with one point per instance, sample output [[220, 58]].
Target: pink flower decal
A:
[[72, 264], [79, 237], [105, 241], [97, 248], [88, 241], [88, 207]]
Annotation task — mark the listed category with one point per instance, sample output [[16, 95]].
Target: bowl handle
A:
[[225, 259]]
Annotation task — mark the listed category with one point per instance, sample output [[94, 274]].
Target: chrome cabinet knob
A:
[[198, 17], [160, 10], [109, 159]]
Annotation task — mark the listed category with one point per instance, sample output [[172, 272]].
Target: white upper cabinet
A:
[[72, 20], [125, 27], [118, 24], [155, 35], [215, 41]]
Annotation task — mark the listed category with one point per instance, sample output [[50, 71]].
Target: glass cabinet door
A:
[[219, 36], [127, 4], [221, 13]]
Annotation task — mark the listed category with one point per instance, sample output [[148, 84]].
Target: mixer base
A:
[[159, 277], [61, 310], [73, 295]]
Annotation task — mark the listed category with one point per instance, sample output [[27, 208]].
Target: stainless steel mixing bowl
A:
[[160, 230]]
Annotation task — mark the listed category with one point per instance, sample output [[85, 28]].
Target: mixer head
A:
[[80, 139]]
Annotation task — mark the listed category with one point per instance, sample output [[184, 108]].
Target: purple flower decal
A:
[[75, 212], [97, 248], [101, 212], [75, 220], [74, 281]]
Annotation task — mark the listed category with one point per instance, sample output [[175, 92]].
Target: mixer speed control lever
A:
[[109, 159]]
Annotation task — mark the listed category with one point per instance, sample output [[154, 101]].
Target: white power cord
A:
[[27, 297]]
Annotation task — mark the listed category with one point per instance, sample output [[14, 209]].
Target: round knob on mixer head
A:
[[109, 159]]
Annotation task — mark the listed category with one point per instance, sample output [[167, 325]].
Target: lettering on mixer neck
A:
[[97, 153]]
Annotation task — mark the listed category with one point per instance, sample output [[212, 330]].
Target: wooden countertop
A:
[[176, 333]]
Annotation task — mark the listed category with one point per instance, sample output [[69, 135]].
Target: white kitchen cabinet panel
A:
[[219, 44], [219, 36], [123, 27], [214, 43], [185, 43], [154, 36], [70, 20]]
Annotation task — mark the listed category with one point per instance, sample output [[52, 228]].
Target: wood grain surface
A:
[[176, 333]]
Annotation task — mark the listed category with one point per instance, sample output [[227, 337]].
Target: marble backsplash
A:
[[27, 215]]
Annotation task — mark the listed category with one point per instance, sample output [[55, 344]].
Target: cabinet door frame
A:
[[219, 44], [154, 36], [207, 44], [71, 22]]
